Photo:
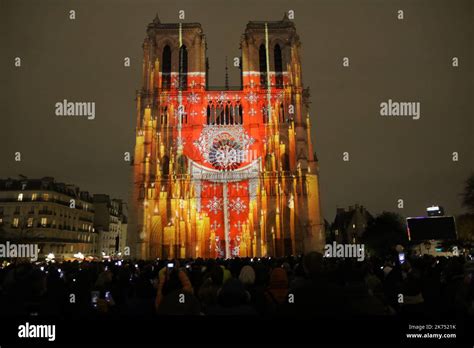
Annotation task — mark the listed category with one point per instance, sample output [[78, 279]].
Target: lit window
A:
[[44, 221], [20, 197], [1, 221], [15, 222], [30, 222], [45, 196], [34, 196]]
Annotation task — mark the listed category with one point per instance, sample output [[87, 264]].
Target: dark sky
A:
[[390, 158]]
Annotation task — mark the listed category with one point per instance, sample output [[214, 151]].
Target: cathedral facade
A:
[[223, 172]]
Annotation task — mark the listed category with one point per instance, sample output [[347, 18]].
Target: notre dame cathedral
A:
[[223, 172]]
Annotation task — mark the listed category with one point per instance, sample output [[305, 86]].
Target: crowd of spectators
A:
[[302, 286]]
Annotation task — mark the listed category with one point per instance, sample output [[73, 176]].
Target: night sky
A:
[[390, 157]]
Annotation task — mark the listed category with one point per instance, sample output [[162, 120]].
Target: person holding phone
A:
[[175, 294], [95, 298]]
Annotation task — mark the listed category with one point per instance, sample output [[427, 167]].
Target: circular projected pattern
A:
[[225, 154]]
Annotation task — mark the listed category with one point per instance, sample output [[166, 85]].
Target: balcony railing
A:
[[41, 200], [223, 88], [40, 225], [45, 212]]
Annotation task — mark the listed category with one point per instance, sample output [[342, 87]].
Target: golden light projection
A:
[[224, 172]]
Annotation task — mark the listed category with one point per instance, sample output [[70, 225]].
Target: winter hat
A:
[[247, 275]]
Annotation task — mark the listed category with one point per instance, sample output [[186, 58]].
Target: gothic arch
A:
[[208, 114], [181, 165], [183, 67], [268, 162], [285, 162], [165, 166], [160, 44], [166, 59], [262, 64], [278, 64]]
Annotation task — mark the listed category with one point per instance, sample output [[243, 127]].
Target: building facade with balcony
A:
[[58, 217], [111, 224]]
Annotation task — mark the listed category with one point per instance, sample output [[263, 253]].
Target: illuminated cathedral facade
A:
[[223, 172]]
